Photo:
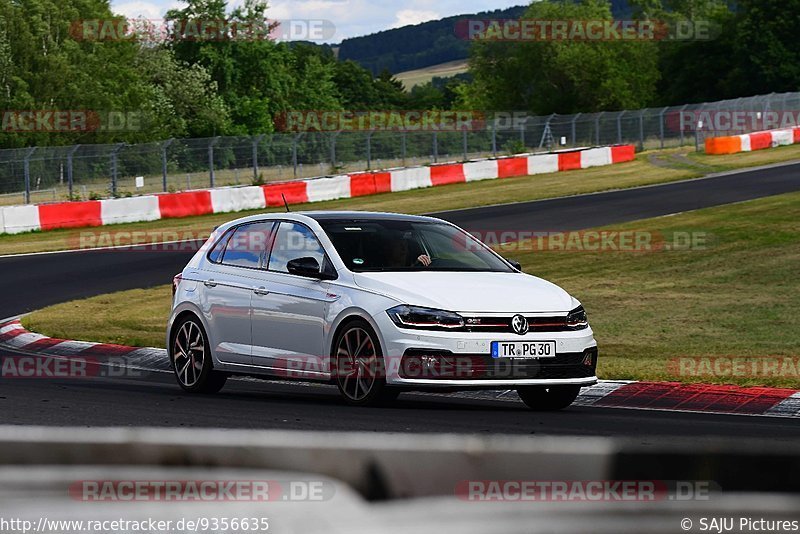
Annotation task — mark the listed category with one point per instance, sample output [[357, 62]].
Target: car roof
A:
[[323, 216]]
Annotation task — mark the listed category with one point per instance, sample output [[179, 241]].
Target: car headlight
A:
[[577, 320], [424, 318]]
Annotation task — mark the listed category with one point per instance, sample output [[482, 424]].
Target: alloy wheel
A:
[[189, 354]]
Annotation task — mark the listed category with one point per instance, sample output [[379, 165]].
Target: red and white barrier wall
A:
[[752, 141], [17, 219]]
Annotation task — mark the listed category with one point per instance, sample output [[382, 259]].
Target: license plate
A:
[[523, 349]]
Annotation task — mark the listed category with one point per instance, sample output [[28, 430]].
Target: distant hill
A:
[[430, 43], [415, 47]]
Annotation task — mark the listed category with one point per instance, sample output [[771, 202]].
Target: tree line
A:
[[206, 87]]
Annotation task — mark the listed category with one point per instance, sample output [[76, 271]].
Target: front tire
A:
[[548, 398], [190, 358], [358, 368]]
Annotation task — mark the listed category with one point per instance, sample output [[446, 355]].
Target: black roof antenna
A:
[[285, 203]]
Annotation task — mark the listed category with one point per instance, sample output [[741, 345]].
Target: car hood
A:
[[470, 292]]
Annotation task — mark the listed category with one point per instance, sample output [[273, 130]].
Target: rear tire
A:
[[358, 368], [548, 398], [190, 358]]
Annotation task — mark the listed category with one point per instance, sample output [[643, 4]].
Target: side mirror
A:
[[515, 264], [307, 267]]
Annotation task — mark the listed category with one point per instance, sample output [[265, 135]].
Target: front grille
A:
[[503, 324], [444, 365]]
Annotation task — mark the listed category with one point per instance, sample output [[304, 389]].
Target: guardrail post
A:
[[164, 148], [114, 154], [70, 179], [256, 140], [211, 174], [27, 171]]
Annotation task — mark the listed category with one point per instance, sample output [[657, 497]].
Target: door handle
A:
[[210, 283], [261, 291]]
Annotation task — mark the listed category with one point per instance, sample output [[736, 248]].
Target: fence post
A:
[[403, 140], [256, 140], [661, 124], [464, 141], [27, 169], [681, 114], [597, 128], [334, 135], [164, 148], [70, 180], [697, 128], [369, 149], [295, 139], [211, 145], [522, 135], [619, 126], [767, 108], [575, 129], [114, 154], [435, 148], [494, 139], [641, 130]]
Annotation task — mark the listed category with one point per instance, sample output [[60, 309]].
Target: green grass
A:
[[735, 297]]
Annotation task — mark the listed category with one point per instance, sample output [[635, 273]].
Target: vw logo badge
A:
[[520, 324]]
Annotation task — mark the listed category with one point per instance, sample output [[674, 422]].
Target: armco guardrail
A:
[[386, 466], [752, 141], [17, 219]]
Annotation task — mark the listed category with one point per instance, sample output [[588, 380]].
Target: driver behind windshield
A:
[[398, 252]]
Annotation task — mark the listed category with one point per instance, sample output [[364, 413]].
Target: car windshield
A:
[[396, 245]]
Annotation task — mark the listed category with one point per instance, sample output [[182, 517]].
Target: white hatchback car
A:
[[376, 303]]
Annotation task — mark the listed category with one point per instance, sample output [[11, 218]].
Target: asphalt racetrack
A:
[[32, 281]]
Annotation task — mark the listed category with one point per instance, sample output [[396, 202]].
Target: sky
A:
[[351, 18]]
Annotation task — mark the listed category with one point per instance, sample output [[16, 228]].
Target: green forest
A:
[[200, 88]]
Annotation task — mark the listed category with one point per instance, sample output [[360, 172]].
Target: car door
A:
[[229, 287], [289, 322]]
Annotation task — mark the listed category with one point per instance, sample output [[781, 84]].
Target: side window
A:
[[291, 242], [247, 245], [215, 255]]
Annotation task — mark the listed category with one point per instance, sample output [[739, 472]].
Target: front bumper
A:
[[465, 360]]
